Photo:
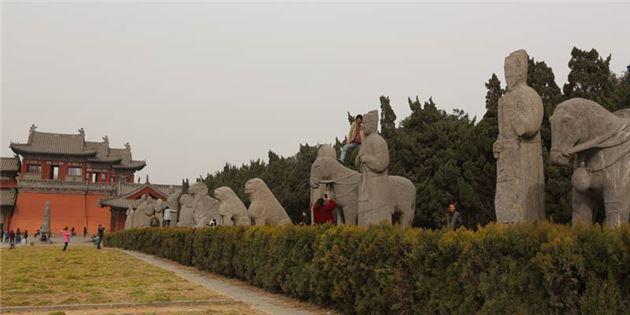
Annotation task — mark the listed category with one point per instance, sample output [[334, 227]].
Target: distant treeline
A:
[[449, 155]]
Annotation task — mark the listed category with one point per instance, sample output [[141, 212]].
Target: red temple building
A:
[[69, 172]]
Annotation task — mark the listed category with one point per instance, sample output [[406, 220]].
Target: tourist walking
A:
[[18, 236], [26, 237], [354, 137], [323, 211], [11, 239], [84, 231], [72, 232], [454, 218], [101, 234], [66, 237]]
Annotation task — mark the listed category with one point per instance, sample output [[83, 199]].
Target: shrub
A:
[[534, 268]]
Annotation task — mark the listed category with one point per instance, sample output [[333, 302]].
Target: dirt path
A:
[[256, 298]]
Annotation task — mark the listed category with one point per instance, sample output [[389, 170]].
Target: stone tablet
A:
[[599, 144], [264, 207], [45, 228], [520, 190]]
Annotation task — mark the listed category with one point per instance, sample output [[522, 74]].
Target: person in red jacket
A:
[[323, 211]]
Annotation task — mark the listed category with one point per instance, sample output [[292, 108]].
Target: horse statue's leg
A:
[[404, 198], [583, 207]]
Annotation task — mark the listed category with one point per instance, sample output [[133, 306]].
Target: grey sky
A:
[[193, 86]]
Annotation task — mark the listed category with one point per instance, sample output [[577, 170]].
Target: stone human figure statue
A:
[[205, 207], [129, 219], [520, 189], [186, 212], [158, 207], [172, 202], [372, 161], [144, 212]]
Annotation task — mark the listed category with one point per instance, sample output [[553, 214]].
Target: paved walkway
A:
[[255, 297]]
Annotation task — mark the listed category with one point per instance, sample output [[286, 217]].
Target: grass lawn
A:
[[45, 275]]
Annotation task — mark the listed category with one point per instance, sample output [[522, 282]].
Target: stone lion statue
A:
[[231, 208], [264, 207], [205, 208]]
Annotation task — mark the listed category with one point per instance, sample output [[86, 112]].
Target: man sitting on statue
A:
[[354, 138]]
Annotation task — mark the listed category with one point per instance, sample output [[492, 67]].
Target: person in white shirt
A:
[[167, 217]]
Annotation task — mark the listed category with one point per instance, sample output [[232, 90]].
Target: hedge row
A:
[[522, 269]]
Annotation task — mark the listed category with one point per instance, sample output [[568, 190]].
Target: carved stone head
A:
[[370, 122], [516, 68], [186, 200]]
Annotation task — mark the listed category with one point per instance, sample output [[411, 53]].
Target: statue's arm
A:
[[525, 117], [378, 162]]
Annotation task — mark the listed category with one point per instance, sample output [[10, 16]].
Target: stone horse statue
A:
[[599, 141], [345, 182]]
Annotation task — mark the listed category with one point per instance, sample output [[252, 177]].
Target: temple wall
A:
[[69, 210]]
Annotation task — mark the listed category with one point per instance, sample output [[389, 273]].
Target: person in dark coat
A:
[[101, 234], [454, 217], [11, 239]]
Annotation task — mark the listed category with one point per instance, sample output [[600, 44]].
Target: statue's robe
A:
[[375, 205], [520, 190], [129, 219]]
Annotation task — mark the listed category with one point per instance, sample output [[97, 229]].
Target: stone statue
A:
[[232, 209], [205, 207], [344, 188], [45, 228], [81, 132], [172, 202], [599, 143], [129, 218], [372, 161], [32, 129], [186, 213], [264, 207], [520, 191], [158, 210], [144, 211]]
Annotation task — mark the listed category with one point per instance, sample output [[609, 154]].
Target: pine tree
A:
[[590, 77], [388, 117]]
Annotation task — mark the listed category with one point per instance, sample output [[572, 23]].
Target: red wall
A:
[[65, 210]]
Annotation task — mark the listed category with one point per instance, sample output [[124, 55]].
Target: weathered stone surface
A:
[[375, 204], [158, 208], [231, 208], [45, 228], [186, 212], [129, 219], [342, 184], [264, 207], [205, 207], [599, 144], [172, 202], [144, 211], [520, 176]]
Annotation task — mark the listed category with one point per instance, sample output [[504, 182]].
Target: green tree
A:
[[388, 118], [590, 77]]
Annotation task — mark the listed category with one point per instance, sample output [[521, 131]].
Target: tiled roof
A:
[[7, 197], [75, 144], [53, 143], [126, 190], [9, 164]]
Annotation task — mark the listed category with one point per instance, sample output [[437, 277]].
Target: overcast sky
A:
[[193, 86]]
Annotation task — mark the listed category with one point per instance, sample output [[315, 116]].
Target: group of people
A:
[[16, 237], [323, 208], [66, 234]]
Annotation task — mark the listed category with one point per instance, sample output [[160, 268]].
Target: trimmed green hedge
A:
[[522, 269]]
